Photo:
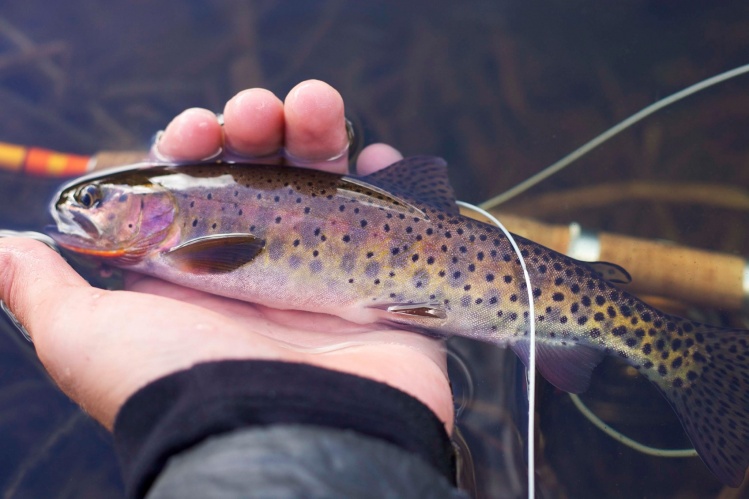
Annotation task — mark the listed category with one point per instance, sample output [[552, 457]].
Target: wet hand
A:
[[102, 346]]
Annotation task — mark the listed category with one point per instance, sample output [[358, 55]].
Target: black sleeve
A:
[[185, 408]]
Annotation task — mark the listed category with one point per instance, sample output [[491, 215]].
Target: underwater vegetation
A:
[[499, 91]]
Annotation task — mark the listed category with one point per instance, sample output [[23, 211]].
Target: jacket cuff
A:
[[180, 410]]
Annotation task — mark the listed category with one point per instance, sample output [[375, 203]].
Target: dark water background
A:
[[500, 89]]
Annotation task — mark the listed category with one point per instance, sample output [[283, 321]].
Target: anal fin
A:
[[568, 367]]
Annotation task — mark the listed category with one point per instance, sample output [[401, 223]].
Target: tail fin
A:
[[712, 400]]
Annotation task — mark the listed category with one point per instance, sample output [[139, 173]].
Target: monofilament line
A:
[[625, 440], [597, 141], [531, 348]]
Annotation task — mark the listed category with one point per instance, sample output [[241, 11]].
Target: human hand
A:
[[101, 346]]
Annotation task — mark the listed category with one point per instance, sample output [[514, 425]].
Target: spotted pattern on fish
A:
[[392, 248]]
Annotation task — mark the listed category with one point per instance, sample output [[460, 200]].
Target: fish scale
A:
[[392, 248]]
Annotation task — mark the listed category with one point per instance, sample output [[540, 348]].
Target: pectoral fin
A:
[[215, 254]]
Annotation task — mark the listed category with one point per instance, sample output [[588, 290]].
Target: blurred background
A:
[[500, 89]]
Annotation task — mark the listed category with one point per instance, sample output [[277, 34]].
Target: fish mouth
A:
[[80, 244]]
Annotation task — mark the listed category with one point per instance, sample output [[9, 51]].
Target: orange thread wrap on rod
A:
[[43, 162]]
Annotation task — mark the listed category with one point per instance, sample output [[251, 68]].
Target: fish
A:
[[392, 248]]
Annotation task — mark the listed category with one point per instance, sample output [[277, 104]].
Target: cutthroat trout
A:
[[392, 247]]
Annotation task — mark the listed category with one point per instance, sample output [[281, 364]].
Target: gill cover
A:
[[118, 216]]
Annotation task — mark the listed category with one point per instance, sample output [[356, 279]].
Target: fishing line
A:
[[611, 132], [531, 373], [625, 440]]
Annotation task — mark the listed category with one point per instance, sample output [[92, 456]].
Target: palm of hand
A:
[[235, 329]]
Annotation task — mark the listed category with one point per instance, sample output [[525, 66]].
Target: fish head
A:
[[119, 217]]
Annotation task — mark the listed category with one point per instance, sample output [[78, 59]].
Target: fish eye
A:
[[88, 195]]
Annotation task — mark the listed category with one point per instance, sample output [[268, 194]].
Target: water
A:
[[500, 89]]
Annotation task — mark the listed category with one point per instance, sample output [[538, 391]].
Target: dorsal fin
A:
[[419, 180]]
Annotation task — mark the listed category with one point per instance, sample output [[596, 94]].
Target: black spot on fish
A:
[[278, 220], [508, 279], [346, 238], [513, 298], [563, 319], [471, 267], [582, 320], [611, 311], [192, 204], [595, 333], [456, 275], [574, 308], [599, 317], [213, 226], [209, 196], [480, 256], [296, 242], [631, 342], [492, 300], [600, 300], [467, 287], [662, 370], [395, 251], [585, 300], [619, 331], [363, 223], [489, 277], [557, 297], [195, 222]]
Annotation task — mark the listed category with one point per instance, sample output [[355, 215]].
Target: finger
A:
[[376, 157], [193, 135], [31, 274], [316, 126], [254, 123]]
